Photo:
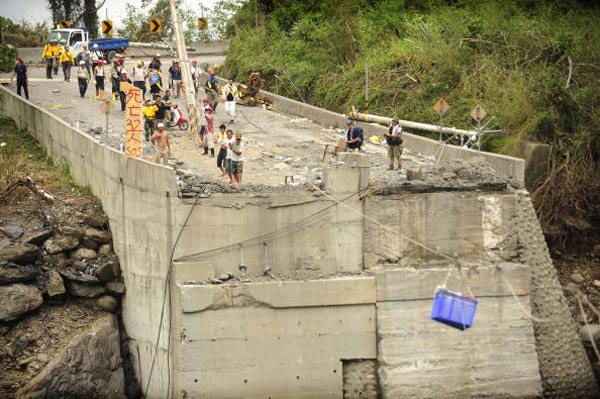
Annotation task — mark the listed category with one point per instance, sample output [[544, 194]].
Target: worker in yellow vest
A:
[[67, 60], [50, 54]]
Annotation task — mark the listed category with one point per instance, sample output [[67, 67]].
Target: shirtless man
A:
[[160, 138]]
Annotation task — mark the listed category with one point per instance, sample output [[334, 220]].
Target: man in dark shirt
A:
[[21, 72], [162, 111], [175, 77], [354, 136]]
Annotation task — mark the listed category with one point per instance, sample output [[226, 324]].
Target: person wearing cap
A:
[[160, 139], [67, 61], [211, 88], [95, 56], [99, 75], [138, 75], [149, 110], [83, 77], [122, 96], [115, 75], [354, 136], [20, 71], [230, 92], [394, 142], [237, 159], [175, 77]]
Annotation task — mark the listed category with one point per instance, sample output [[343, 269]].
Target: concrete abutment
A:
[[351, 294]]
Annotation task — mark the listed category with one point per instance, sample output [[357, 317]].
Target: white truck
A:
[[75, 37]]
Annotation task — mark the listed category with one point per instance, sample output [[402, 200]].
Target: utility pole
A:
[[190, 95]]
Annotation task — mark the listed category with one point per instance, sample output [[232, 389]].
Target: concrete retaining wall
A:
[[292, 338], [140, 200]]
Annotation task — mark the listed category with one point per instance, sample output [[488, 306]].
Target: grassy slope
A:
[[512, 57]]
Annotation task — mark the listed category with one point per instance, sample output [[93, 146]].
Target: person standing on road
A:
[[99, 75], [122, 95], [394, 141], [211, 87], [50, 52], [175, 77], [196, 75], [96, 56], [85, 55], [20, 71], [237, 159], [116, 71], [155, 78], [209, 134], [83, 77], [155, 63], [139, 77], [229, 143], [230, 92], [67, 61], [221, 141], [160, 139], [354, 136], [149, 110]]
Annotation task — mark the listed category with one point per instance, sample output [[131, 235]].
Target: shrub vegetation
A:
[[535, 65]]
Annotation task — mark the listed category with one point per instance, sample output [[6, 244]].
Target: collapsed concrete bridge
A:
[[336, 296]]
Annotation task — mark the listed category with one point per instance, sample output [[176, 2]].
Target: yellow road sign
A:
[[107, 27], [441, 107], [155, 25], [65, 24], [203, 24]]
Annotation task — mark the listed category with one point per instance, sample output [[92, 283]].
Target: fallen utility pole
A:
[[417, 125], [188, 84]]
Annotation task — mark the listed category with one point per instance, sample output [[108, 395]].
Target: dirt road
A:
[[277, 145]]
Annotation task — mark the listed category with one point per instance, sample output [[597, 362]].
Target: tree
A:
[[77, 12]]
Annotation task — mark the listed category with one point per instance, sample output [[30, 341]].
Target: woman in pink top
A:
[[210, 132]]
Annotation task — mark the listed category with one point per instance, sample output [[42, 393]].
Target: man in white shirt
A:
[[237, 159], [230, 93]]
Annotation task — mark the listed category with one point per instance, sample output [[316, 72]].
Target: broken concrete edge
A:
[[511, 166], [279, 294]]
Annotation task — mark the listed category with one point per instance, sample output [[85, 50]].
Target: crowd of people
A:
[[160, 112]]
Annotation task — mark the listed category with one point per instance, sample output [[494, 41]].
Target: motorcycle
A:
[[177, 119]]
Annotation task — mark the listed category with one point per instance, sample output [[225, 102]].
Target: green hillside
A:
[[535, 65]]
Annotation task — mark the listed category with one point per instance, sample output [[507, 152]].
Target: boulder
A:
[[91, 244], [105, 249], [22, 254], [85, 290], [596, 250], [84, 254], [106, 303], [55, 285], [18, 299], [115, 288], [577, 278], [75, 275], [96, 220], [13, 273], [61, 244], [14, 232], [72, 231], [105, 273], [101, 237], [38, 237], [90, 366]]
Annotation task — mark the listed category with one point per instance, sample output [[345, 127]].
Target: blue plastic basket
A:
[[454, 310]]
